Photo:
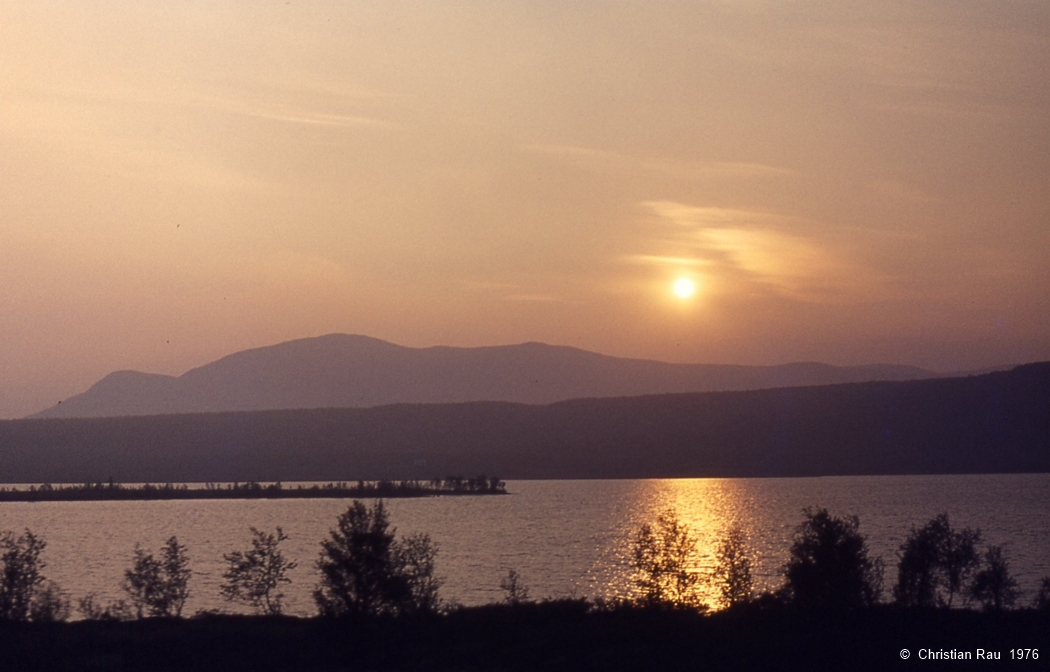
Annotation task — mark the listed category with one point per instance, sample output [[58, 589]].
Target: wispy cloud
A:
[[760, 248], [516, 292], [664, 260], [535, 298], [665, 166], [570, 151], [291, 114]]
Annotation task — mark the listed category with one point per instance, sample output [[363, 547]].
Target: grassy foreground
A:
[[561, 635]]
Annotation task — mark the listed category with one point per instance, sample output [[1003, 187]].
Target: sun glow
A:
[[684, 288]]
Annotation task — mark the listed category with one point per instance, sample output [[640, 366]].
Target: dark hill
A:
[[994, 423], [342, 371]]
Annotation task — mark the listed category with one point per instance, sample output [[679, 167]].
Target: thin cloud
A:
[[515, 292], [758, 248], [713, 169], [650, 259], [291, 114], [571, 151], [693, 170], [319, 119], [691, 216], [536, 298]]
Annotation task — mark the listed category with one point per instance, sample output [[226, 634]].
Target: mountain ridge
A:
[[993, 423], [356, 371]]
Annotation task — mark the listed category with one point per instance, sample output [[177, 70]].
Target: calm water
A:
[[564, 538]]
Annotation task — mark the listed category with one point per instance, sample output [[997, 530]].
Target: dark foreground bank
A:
[[563, 635]]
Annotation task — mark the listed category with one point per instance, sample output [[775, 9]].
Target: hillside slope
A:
[[994, 423]]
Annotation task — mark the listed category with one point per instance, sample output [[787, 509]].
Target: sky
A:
[[851, 183]]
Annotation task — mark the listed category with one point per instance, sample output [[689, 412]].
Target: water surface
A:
[[565, 538]]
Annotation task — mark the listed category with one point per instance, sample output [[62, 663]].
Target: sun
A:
[[684, 288]]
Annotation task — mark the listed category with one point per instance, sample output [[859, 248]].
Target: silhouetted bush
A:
[[514, 589], [255, 576], [93, 610], [829, 567], [50, 604], [365, 570], [662, 556], [732, 572], [414, 557], [1042, 597], [936, 563], [159, 587], [20, 577], [993, 586]]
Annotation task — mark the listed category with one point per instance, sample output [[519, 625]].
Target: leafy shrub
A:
[[1042, 597], [50, 604], [829, 567], [20, 577], [936, 563], [255, 576], [662, 556], [159, 587], [93, 610], [514, 589], [732, 572], [992, 585], [366, 570], [414, 558]]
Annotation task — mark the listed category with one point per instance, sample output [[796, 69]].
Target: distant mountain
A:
[[995, 423], [346, 371]]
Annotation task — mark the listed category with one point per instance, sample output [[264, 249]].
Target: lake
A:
[[565, 538]]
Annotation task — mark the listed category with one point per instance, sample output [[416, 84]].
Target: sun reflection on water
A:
[[709, 507]]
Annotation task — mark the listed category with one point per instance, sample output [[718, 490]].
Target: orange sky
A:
[[844, 182]]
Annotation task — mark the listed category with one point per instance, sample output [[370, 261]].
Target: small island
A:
[[111, 491]]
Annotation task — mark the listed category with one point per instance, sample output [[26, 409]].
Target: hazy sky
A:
[[849, 182]]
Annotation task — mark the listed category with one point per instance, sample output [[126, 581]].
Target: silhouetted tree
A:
[[414, 559], [50, 604], [662, 556], [514, 589], [920, 564], [159, 587], [1042, 598], [732, 571], [254, 577], [20, 573], [961, 560], [935, 564], [365, 570], [992, 585], [829, 567]]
